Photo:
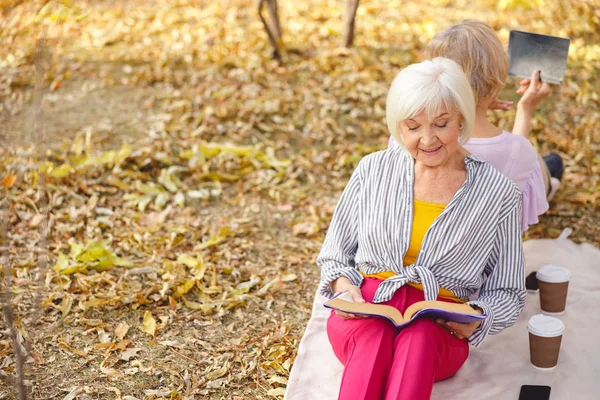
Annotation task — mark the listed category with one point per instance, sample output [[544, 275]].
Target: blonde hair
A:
[[476, 48], [430, 86]]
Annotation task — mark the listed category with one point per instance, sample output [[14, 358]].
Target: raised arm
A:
[[336, 258], [533, 92], [502, 296]]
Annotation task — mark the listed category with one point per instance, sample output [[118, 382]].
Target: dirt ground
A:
[[192, 178]]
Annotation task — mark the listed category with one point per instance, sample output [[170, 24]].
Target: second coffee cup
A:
[[545, 336], [554, 284]]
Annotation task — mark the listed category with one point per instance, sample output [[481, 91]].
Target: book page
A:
[[382, 310], [441, 305]]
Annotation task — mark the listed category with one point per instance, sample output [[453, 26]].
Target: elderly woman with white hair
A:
[[427, 221]]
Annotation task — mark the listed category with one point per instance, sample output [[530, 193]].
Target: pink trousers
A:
[[381, 362]]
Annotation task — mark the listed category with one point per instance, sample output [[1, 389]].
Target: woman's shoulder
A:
[[495, 181], [521, 145], [517, 147], [385, 157]]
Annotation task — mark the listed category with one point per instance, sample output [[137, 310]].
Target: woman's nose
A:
[[428, 138]]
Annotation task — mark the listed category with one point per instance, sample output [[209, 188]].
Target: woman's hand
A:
[[533, 92], [498, 104], [343, 284], [458, 330]]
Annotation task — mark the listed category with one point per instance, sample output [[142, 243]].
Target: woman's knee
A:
[[346, 335], [423, 331]]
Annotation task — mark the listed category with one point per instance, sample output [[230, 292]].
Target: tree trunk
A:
[[273, 29], [349, 18]]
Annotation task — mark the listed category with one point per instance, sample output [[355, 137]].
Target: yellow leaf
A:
[[62, 266], [66, 3], [9, 181], [66, 305], [122, 262], [188, 260], [62, 263], [278, 379], [149, 324], [216, 239], [200, 270], [196, 265], [183, 289], [94, 254], [277, 392], [61, 172], [76, 250], [95, 302], [205, 308]]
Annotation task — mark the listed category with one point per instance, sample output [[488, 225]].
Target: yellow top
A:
[[424, 215]]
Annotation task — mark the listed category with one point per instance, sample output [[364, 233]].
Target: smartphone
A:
[[533, 392]]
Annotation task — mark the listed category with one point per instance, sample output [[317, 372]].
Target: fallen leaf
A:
[[188, 260], [307, 228], [9, 181], [289, 277], [61, 172], [121, 330], [129, 353], [277, 392], [66, 305], [36, 220], [219, 372], [149, 324]]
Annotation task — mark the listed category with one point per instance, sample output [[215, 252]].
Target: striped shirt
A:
[[477, 235]]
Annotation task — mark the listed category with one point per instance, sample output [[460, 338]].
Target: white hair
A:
[[431, 85]]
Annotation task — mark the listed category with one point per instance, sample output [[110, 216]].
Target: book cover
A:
[[529, 51], [456, 312]]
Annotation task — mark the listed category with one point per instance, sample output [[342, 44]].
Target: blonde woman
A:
[[426, 220], [476, 48]]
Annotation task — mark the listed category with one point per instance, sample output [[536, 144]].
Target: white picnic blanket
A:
[[497, 369]]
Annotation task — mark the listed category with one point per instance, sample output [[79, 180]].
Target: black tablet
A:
[[529, 51]]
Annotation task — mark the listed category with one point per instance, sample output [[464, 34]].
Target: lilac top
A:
[[514, 157]]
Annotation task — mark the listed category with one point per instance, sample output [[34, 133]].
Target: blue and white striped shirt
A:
[[478, 234]]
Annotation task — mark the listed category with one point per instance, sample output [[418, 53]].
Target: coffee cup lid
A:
[[553, 274], [545, 326]]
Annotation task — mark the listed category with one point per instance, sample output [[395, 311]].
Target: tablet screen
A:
[[528, 52]]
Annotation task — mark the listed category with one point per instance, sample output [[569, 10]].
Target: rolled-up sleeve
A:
[[337, 255], [502, 296]]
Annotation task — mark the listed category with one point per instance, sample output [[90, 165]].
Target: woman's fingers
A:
[[545, 90], [356, 294], [525, 82], [462, 331], [344, 315], [498, 104]]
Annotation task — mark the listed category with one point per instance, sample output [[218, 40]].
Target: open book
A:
[[462, 313]]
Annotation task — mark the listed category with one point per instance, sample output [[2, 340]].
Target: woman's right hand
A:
[[343, 284], [533, 92]]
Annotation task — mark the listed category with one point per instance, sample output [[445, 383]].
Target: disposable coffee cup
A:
[[553, 283], [545, 335]]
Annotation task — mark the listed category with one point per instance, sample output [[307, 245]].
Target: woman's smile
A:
[[431, 152]]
